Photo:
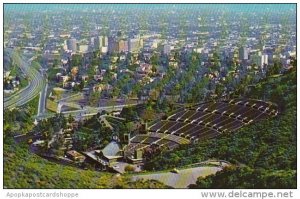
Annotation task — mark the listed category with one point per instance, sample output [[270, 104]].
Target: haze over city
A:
[[150, 95]]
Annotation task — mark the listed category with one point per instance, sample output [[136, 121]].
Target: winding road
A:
[[36, 82], [186, 176]]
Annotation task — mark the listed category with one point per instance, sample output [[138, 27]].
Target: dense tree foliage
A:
[[23, 169], [91, 133], [245, 177], [269, 145]]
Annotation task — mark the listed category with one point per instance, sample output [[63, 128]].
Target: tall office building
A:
[[244, 53], [264, 59], [98, 42], [72, 44], [122, 46], [141, 43], [134, 45], [260, 60], [112, 45], [105, 41]]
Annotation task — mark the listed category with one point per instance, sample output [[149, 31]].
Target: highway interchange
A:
[[36, 82], [38, 85]]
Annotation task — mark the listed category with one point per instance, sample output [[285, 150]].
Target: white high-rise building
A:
[[167, 49], [264, 60], [98, 42], [260, 60], [105, 41], [134, 45]]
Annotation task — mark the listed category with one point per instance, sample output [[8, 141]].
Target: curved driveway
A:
[[185, 177]]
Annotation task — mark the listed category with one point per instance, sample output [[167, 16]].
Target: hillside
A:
[[23, 169], [269, 145]]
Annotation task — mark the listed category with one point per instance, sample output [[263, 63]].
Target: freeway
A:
[[36, 83], [42, 101]]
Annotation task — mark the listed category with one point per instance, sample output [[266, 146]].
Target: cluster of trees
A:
[[90, 134], [94, 132], [248, 178], [269, 145], [16, 122], [23, 169]]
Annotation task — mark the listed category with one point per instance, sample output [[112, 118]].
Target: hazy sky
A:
[[229, 7]]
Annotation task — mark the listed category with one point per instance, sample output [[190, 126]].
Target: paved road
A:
[[36, 83], [42, 101], [85, 112], [184, 178]]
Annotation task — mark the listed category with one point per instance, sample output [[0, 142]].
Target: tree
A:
[[55, 63], [129, 168], [148, 114], [70, 119], [81, 85]]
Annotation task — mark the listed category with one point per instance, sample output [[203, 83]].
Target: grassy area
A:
[[59, 92], [32, 106], [51, 105], [15, 70], [23, 83], [74, 97], [23, 169], [35, 65]]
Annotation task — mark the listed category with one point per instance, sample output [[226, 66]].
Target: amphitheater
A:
[[202, 121]]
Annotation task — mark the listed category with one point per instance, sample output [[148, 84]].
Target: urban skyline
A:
[[164, 95]]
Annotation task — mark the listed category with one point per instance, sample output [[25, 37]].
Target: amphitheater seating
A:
[[204, 121]]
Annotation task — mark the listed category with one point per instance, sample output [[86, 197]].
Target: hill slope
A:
[[269, 145]]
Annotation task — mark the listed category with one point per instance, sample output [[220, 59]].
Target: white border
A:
[[190, 194]]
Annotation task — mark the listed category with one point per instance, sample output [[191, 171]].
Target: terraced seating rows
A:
[[156, 126], [175, 116], [166, 126], [173, 138], [196, 116], [205, 121], [139, 138], [150, 140], [187, 114]]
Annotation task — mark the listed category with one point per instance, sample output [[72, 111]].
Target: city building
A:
[[260, 59], [112, 44], [105, 41], [72, 44], [243, 53], [98, 42], [134, 45], [167, 49], [83, 48], [122, 46], [265, 59]]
